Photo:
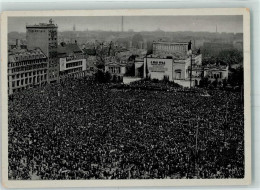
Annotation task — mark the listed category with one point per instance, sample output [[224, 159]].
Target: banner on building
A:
[[62, 64]]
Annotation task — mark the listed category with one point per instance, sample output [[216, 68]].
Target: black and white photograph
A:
[[119, 97]]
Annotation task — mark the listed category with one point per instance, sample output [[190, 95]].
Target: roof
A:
[[89, 51], [25, 54], [90, 64], [173, 55], [162, 42], [116, 64], [67, 49], [42, 25]]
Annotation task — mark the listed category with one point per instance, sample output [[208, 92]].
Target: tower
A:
[[44, 36]]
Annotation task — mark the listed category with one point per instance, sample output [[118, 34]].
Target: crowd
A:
[[80, 129]]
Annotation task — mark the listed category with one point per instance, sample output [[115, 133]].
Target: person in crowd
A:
[[79, 129]]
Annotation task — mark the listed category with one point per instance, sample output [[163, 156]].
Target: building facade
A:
[[72, 62], [218, 73], [115, 69], [170, 47], [177, 70], [44, 36], [26, 68]]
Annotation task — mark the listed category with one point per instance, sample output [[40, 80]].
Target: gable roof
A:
[[68, 49]]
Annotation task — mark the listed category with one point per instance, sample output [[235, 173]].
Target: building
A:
[[214, 72], [26, 68], [72, 61], [139, 66], [44, 36], [170, 47], [176, 69], [18, 45], [114, 67]]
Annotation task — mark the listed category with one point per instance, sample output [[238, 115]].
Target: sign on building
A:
[[62, 64]]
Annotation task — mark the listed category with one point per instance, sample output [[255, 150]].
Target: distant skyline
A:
[[224, 23]]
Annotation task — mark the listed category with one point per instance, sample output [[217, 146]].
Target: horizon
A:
[[211, 24], [140, 31]]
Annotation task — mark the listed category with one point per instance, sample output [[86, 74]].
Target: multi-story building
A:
[[44, 36], [176, 69], [72, 61], [171, 47], [26, 68], [115, 68]]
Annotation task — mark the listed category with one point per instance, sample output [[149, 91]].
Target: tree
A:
[[137, 38], [101, 54], [165, 78], [204, 82], [107, 77], [99, 76], [130, 70], [141, 71], [224, 83], [236, 77], [215, 83], [231, 57]]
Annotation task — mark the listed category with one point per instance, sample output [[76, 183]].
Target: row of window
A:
[[27, 62], [116, 70], [31, 80], [52, 39], [171, 47], [28, 68], [74, 70], [37, 31], [216, 76], [74, 64], [33, 73]]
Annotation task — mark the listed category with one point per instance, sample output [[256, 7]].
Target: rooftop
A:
[[25, 54], [43, 25], [68, 49], [163, 42]]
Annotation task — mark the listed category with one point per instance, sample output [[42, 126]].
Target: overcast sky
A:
[[137, 23]]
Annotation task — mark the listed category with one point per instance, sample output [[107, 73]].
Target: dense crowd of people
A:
[[80, 129]]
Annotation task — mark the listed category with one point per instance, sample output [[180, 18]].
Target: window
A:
[[13, 84]]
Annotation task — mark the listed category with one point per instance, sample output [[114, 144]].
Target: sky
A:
[[224, 23]]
